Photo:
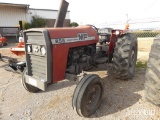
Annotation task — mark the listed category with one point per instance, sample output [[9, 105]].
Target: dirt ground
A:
[[122, 100]]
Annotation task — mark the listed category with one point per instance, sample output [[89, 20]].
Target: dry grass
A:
[[144, 44], [144, 47]]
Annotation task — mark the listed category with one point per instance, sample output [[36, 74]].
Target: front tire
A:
[[27, 86], [125, 57], [88, 95]]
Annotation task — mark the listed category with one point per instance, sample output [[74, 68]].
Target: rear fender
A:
[[115, 34]]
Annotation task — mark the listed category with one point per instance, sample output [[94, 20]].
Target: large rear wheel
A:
[[125, 57], [152, 83], [88, 95]]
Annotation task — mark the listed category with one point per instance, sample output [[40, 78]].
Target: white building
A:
[[11, 14]]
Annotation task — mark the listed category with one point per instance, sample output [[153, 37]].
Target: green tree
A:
[[36, 22], [74, 24], [27, 25]]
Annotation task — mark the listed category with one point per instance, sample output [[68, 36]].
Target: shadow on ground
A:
[[120, 94]]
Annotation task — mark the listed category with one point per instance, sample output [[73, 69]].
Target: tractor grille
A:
[[38, 66], [35, 61]]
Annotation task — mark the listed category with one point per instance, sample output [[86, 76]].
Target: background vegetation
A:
[[36, 22], [74, 24], [146, 33]]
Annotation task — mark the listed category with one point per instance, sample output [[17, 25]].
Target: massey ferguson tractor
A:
[[55, 54], [152, 84]]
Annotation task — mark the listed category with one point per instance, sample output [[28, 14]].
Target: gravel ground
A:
[[122, 100]]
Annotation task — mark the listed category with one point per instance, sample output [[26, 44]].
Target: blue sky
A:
[[102, 12]]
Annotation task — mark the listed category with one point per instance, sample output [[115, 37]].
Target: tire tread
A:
[[152, 84]]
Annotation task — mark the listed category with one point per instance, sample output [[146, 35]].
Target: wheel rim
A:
[[132, 61], [93, 97]]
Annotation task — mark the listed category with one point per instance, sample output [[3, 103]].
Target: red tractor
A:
[[55, 54]]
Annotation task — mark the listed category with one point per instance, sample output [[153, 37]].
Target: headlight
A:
[[29, 48], [43, 50]]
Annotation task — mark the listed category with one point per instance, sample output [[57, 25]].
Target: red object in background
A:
[[2, 40], [19, 49]]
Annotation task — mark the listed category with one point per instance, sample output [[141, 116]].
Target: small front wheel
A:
[[88, 95], [27, 86]]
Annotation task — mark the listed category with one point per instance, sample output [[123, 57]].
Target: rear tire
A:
[[27, 86], [125, 57], [88, 95], [152, 84]]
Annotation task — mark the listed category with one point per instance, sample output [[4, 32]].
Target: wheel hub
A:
[[93, 96]]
